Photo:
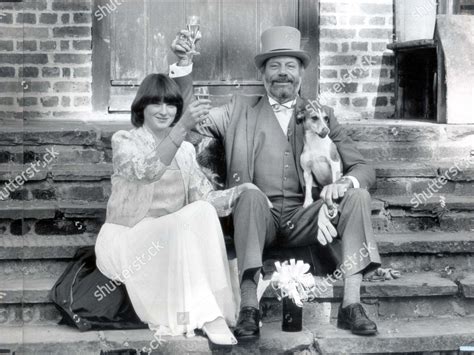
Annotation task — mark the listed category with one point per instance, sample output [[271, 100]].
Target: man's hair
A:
[[156, 89]]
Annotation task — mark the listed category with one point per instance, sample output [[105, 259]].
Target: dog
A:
[[320, 159]]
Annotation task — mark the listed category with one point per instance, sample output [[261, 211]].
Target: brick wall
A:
[[53, 76], [45, 58], [356, 74]]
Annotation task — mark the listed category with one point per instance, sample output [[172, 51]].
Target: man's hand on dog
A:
[[326, 230], [335, 191]]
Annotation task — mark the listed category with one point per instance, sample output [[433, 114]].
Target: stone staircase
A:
[[429, 309]]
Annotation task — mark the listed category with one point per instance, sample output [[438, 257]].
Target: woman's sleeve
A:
[[131, 163], [200, 188]]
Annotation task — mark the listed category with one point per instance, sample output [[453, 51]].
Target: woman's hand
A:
[[196, 112], [249, 186]]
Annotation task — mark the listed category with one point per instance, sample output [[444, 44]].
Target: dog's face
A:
[[317, 121]]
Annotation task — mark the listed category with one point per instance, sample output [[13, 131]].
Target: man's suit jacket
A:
[[234, 124]]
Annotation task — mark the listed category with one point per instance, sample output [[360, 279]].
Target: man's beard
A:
[[282, 93]]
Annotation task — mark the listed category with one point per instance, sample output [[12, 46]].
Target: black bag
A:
[[88, 300]]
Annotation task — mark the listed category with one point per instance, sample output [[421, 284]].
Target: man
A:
[[263, 144]]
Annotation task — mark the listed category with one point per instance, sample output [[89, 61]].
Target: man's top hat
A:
[[281, 41]]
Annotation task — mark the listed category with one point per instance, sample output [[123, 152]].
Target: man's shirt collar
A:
[[277, 106]]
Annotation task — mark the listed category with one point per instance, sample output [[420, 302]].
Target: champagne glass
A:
[[193, 25], [202, 93]]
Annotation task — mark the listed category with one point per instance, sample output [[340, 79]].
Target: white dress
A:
[[173, 262]]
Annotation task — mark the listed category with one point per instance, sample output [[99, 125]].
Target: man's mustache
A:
[[283, 80]]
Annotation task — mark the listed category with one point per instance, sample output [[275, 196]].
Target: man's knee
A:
[[359, 195], [252, 197]]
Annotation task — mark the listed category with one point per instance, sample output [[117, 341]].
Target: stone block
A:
[[376, 33], [48, 45], [72, 58], [467, 286], [72, 31], [71, 226], [7, 72], [26, 18], [68, 5], [456, 32], [71, 86], [80, 192], [29, 72], [339, 60], [49, 72], [82, 45], [457, 221], [326, 33], [48, 18], [6, 45]]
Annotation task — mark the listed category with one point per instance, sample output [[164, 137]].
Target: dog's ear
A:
[[300, 109]]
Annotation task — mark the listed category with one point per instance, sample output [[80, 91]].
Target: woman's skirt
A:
[[175, 268]]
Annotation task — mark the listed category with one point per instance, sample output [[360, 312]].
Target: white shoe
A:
[[218, 332]]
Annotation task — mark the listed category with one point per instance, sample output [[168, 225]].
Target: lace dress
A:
[[173, 262]]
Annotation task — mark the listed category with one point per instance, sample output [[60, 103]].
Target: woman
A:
[[162, 236]]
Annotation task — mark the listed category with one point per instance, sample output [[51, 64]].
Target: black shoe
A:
[[354, 318], [247, 327]]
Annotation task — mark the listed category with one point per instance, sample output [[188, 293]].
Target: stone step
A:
[[89, 142], [416, 152], [414, 336], [35, 288], [57, 339], [43, 246], [64, 246], [467, 286], [39, 209], [421, 335], [403, 221], [87, 131], [428, 251], [422, 251], [91, 182], [373, 151], [427, 202], [101, 171], [390, 214], [414, 295]]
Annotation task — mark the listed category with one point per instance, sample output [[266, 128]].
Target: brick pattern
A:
[[356, 69], [45, 58]]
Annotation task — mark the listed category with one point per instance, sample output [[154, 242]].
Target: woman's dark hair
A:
[[156, 89]]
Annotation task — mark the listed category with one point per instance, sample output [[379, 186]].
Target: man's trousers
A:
[[256, 227]]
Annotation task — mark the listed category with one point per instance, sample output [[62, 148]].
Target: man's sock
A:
[[248, 288], [352, 289]]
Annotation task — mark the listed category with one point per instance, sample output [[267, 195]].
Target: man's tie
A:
[[281, 107]]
